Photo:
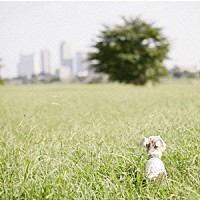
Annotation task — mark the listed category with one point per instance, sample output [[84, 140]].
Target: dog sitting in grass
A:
[[155, 147]]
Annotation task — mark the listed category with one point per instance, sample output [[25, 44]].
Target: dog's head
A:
[[155, 146]]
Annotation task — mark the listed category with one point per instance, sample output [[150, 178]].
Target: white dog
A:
[[155, 146]]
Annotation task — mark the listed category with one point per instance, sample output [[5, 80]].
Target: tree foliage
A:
[[132, 52]]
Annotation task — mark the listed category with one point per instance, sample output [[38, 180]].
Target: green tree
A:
[[132, 52]]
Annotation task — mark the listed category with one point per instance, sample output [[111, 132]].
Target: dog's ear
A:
[[144, 141], [162, 144]]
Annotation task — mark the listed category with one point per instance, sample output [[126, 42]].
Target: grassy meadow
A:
[[64, 141]]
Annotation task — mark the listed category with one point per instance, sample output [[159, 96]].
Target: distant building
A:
[[65, 56], [36, 64], [28, 65], [25, 66], [82, 65], [63, 73], [45, 62]]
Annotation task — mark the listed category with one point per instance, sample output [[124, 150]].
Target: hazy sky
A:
[[28, 27]]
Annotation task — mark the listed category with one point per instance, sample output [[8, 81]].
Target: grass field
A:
[[82, 141]]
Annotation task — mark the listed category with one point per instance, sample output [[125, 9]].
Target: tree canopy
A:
[[132, 52]]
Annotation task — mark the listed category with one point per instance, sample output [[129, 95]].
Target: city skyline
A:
[[28, 27], [39, 63]]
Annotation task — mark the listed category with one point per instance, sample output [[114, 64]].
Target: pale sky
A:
[[28, 27]]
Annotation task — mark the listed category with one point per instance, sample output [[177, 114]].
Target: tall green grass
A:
[[82, 141]]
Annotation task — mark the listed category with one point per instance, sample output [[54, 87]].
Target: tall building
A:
[[28, 65], [65, 55], [82, 65], [36, 63], [63, 73], [45, 62]]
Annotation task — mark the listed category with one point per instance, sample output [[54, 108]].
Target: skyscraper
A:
[[36, 63], [65, 55], [45, 62], [28, 65], [82, 65]]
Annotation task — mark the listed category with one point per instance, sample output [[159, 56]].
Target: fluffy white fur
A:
[[155, 147]]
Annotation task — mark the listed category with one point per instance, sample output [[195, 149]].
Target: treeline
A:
[[177, 72]]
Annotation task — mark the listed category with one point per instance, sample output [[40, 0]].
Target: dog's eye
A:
[[148, 145], [155, 147]]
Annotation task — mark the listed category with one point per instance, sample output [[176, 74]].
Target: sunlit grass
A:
[[82, 141]]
